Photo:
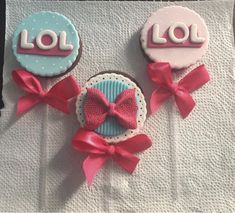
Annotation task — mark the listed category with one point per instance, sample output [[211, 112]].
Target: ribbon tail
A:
[[128, 162], [158, 97], [91, 165], [25, 103], [185, 104]]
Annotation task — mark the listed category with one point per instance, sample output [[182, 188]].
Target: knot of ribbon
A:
[[111, 150], [42, 95], [111, 111], [97, 108], [59, 96], [173, 88], [161, 74], [99, 151]]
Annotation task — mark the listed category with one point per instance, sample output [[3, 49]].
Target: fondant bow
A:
[[99, 151], [97, 108], [161, 74], [59, 96]]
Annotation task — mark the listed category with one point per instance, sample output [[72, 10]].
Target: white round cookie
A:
[[113, 77]]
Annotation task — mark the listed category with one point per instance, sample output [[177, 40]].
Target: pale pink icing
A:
[[178, 57]]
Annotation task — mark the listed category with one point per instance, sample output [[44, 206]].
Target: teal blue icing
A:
[[47, 65]]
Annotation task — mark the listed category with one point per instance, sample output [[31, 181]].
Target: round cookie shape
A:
[[46, 44], [111, 85], [176, 35]]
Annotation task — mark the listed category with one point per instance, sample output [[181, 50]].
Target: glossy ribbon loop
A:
[[97, 108], [161, 74], [99, 151], [59, 96]]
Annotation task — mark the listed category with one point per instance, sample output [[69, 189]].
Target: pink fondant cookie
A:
[[176, 35]]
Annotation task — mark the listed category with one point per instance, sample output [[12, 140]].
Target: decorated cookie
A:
[[176, 35], [112, 105], [46, 44]]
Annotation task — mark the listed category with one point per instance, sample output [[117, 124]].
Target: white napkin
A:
[[190, 166]]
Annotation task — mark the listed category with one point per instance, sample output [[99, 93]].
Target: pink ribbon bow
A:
[[97, 108], [99, 151], [59, 96], [161, 74]]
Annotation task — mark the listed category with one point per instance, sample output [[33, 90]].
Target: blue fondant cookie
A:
[[106, 92], [46, 44]]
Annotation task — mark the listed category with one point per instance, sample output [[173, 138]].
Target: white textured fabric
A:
[[189, 168]]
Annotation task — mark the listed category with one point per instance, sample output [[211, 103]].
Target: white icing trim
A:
[[24, 40], [156, 38], [142, 112], [194, 35], [53, 36], [63, 45], [183, 27]]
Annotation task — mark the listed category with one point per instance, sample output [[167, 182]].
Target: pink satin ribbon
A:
[[59, 96], [97, 108], [161, 74], [99, 151]]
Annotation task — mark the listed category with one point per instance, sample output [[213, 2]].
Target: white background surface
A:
[[191, 165]]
